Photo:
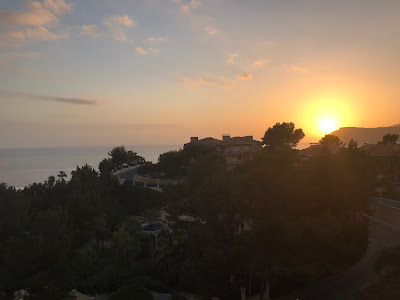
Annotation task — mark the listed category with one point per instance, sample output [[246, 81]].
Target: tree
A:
[[353, 145], [283, 135], [330, 140], [389, 139], [120, 156], [62, 176]]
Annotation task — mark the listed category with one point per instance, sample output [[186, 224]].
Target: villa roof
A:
[[318, 149], [382, 150], [209, 141], [241, 140]]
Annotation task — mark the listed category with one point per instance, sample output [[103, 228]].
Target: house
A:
[[386, 161], [236, 150], [316, 149]]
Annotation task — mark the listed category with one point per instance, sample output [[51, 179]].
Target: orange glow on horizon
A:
[[324, 116]]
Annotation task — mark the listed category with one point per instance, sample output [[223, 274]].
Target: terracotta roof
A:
[[241, 140], [382, 150], [208, 141], [318, 149]]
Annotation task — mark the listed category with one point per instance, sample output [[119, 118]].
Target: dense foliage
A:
[[55, 234], [302, 222], [273, 222]]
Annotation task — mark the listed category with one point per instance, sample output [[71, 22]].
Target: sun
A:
[[327, 125]]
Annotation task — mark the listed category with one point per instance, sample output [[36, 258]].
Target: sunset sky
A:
[[109, 72]]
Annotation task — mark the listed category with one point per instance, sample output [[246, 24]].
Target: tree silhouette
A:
[[389, 139], [330, 139], [283, 135]]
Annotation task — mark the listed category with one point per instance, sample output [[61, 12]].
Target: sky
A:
[[155, 72]]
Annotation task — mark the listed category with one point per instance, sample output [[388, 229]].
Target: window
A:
[[246, 148], [236, 149]]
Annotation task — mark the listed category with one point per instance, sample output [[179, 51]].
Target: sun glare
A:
[[327, 125]]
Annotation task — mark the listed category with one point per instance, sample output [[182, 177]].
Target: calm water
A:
[[22, 166]]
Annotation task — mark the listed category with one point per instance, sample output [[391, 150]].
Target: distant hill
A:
[[365, 135]]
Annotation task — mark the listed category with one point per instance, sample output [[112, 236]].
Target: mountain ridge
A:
[[365, 134]]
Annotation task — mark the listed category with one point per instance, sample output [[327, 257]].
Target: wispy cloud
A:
[[143, 51], [140, 50], [232, 57], [33, 23], [116, 25], [191, 83], [211, 30], [37, 33], [123, 20], [156, 40], [27, 96], [245, 76], [296, 69], [59, 7], [260, 63], [91, 30], [224, 85], [193, 4], [36, 15]]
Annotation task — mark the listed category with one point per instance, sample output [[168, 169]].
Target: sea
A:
[[20, 167]]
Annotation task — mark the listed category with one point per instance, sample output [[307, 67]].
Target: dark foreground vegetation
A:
[[275, 222]]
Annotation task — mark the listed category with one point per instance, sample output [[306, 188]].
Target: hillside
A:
[[365, 135]]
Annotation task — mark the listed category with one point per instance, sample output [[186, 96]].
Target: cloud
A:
[[195, 3], [260, 63], [120, 20], [143, 51], [296, 69], [232, 58], [211, 30], [59, 7], [203, 80], [116, 25], [32, 23], [91, 30], [224, 85], [38, 14], [140, 50], [76, 101], [190, 83], [245, 76], [191, 5], [155, 40], [36, 33], [185, 8]]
